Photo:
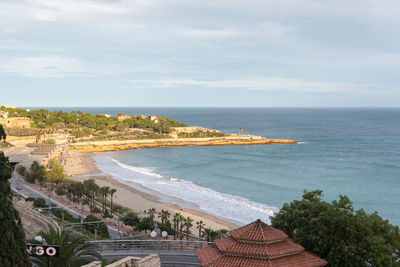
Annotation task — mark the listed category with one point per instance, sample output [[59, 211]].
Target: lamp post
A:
[[154, 234], [41, 240]]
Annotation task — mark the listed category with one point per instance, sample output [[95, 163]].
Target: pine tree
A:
[[12, 237]]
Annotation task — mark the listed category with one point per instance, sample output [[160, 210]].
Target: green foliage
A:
[[145, 224], [210, 235], [39, 203], [166, 227], [67, 216], [200, 134], [30, 199], [21, 131], [21, 170], [12, 237], [102, 229], [49, 141], [131, 219], [5, 145], [84, 124], [38, 172], [3, 134], [56, 172], [74, 251], [337, 233]]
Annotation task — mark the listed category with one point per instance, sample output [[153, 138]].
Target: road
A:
[[28, 192]]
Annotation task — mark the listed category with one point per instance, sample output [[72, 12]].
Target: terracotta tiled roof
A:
[[258, 232], [304, 259], [257, 244], [207, 254], [228, 245]]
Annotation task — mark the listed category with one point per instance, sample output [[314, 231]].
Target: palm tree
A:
[[207, 234], [151, 213], [200, 226], [181, 220], [74, 251], [176, 220], [221, 233], [112, 192], [164, 215], [188, 223]]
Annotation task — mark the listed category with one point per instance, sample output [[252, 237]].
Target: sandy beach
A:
[[80, 163]]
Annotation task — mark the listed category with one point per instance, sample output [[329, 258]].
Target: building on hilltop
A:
[[123, 117], [18, 122], [154, 118], [258, 245]]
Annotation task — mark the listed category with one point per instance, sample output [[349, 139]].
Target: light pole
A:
[[154, 234], [41, 240]]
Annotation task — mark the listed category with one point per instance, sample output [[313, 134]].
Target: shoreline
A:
[[133, 198], [103, 146]]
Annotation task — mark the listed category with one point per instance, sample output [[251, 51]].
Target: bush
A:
[[40, 203], [67, 217], [21, 170], [49, 141], [5, 144], [102, 229], [30, 199]]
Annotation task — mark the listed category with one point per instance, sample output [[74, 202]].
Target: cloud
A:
[[263, 84], [49, 66]]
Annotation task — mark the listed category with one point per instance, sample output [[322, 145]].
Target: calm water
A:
[[354, 152]]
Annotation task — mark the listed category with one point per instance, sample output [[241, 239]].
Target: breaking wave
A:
[[219, 204]]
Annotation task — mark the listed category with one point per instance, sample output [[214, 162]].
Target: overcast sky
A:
[[343, 53]]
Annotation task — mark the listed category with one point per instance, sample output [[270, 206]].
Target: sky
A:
[[190, 53]]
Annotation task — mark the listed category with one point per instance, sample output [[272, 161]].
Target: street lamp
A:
[[154, 234], [40, 239]]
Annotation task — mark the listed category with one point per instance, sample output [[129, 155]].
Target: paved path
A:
[[36, 191]]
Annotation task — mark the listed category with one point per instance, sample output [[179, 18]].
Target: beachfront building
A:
[[257, 244]]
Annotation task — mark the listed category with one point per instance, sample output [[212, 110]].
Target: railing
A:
[[142, 245]]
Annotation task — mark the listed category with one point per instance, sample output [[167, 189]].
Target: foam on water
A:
[[235, 208]]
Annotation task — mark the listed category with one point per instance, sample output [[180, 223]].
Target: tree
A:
[[176, 221], [12, 237], [102, 228], [337, 233], [200, 225], [151, 213], [145, 224], [188, 223], [112, 192], [74, 251], [3, 134], [131, 219], [164, 216], [56, 173], [38, 172]]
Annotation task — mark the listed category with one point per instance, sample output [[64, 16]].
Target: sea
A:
[[344, 151]]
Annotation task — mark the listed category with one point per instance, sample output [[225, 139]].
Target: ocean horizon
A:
[[343, 151]]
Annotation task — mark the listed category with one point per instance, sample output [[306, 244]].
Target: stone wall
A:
[[151, 260], [16, 122]]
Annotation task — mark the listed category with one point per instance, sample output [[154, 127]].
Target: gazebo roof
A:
[[257, 244]]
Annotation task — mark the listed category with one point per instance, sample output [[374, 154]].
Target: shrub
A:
[[40, 203], [21, 169], [49, 141], [102, 229]]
